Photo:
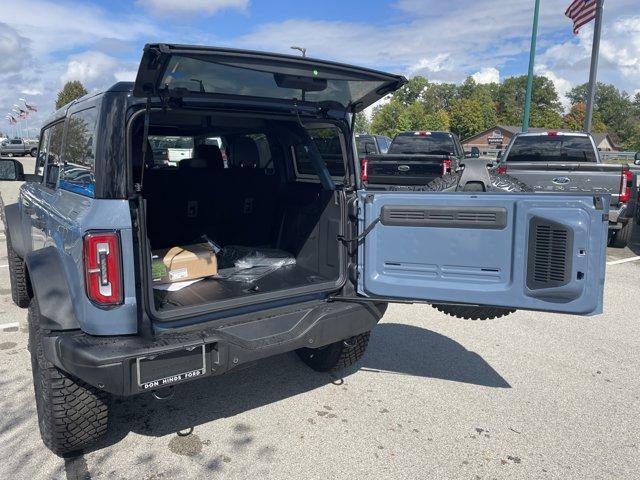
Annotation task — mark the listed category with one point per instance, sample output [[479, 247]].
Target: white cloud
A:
[[167, 7], [125, 75], [91, 68], [562, 84], [487, 75]]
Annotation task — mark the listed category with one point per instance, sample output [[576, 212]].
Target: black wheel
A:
[[620, 238], [335, 356], [33, 152], [473, 312], [71, 413], [499, 183], [449, 183], [20, 288]]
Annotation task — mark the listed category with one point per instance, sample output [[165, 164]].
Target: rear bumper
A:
[[111, 363]]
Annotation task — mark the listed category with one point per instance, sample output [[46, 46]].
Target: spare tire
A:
[[499, 183]]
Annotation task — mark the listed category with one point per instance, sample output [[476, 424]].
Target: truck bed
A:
[[404, 169]]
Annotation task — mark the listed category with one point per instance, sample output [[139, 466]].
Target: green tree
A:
[[574, 120], [615, 107], [633, 142], [384, 120], [439, 96], [361, 123], [71, 90], [546, 110], [412, 91], [438, 121], [413, 117], [466, 117]]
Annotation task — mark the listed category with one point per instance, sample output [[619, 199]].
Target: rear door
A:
[[521, 250], [178, 70]]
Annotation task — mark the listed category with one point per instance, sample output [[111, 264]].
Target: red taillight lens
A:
[[103, 267], [552, 134], [625, 185], [446, 166], [502, 169], [364, 169]]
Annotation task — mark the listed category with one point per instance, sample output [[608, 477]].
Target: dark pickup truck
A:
[[569, 162], [413, 159]]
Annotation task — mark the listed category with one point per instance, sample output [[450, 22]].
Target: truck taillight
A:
[[103, 267], [625, 185], [552, 133], [446, 166], [364, 169], [502, 169]]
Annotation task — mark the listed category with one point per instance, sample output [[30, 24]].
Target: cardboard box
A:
[[179, 264]]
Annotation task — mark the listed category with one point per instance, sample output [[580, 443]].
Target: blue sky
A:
[[44, 43]]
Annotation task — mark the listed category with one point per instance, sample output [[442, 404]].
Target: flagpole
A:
[[595, 50], [532, 59]]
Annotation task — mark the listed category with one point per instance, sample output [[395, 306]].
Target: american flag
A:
[[33, 108], [581, 12]]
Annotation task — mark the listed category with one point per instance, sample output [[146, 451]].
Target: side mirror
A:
[[637, 158], [475, 152], [11, 171]]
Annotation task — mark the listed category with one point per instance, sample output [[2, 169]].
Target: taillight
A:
[[502, 169], [625, 185], [103, 267], [446, 166], [552, 134], [364, 169]]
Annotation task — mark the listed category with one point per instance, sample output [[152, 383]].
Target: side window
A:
[[329, 145], [53, 157], [43, 148], [78, 170]]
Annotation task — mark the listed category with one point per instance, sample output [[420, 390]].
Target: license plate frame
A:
[[146, 362]]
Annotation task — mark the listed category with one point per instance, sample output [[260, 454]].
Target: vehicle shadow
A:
[[634, 243], [394, 349]]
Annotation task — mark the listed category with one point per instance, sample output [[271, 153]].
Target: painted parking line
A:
[[4, 326], [624, 260]]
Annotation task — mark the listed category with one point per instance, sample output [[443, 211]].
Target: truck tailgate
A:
[[569, 177], [404, 169]]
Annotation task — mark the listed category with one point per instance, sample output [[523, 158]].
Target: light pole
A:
[[532, 59], [301, 49]]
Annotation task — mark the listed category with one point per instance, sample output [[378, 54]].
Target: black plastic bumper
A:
[[127, 365]]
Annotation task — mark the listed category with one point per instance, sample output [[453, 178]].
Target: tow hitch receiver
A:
[[163, 370]]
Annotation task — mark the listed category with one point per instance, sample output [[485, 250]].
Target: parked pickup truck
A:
[[17, 146], [569, 162], [413, 158], [371, 144]]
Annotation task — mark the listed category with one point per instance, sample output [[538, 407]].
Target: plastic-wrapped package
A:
[[248, 264]]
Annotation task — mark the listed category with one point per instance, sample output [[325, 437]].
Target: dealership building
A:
[[499, 136]]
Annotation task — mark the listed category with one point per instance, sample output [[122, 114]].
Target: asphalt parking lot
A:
[[528, 396]]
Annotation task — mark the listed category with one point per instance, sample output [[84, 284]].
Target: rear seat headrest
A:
[[244, 153], [207, 156]]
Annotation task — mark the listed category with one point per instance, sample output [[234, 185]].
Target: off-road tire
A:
[[71, 413], [20, 288], [499, 183], [621, 238], [33, 152], [335, 356], [473, 312]]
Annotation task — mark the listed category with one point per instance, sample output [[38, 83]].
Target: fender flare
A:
[[13, 224], [50, 287]]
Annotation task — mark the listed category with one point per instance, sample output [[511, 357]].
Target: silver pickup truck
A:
[[569, 162], [17, 147]]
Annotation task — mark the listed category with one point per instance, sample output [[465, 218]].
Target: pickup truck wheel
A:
[[620, 238], [335, 356], [33, 152], [20, 291], [71, 413], [473, 312]]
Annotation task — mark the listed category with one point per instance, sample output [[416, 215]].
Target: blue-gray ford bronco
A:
[[273, 167]]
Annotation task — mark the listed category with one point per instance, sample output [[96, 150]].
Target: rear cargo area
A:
[[240, 192]]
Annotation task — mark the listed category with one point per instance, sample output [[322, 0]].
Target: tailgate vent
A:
[[550, 254], [444, 217]]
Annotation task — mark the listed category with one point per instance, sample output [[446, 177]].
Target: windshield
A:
[[559, 148], [267, 81], [366, 146], [430, 144]]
